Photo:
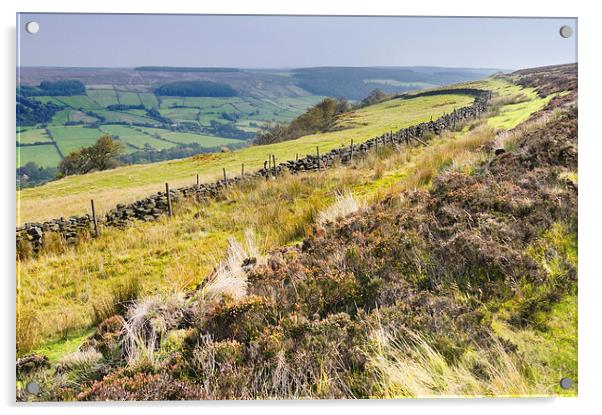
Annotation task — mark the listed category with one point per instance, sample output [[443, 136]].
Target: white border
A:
[[589, 151]]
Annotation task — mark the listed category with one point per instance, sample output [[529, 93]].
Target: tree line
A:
[[64, 87], [195, 89]]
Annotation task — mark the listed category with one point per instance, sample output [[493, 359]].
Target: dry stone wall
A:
[[31, 236]]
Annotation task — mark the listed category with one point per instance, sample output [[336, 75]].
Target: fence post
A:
[[318, 155], [96, 230], [242, 170], [297, 157], [274, 160], [169, 210], [197, 179], [351, 158], [224, 170]]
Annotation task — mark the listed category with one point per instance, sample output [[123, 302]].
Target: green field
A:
[[128, 98], [79, 102], [81, 117], [189, 138], [181, 114], [148, 100], [135, 139], [122, 116], [45, 155], [104, 97], [70, 138], [61, 117], [35, 135]]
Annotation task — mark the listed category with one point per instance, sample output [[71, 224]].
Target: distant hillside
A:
[[356, 82], [182, 69]]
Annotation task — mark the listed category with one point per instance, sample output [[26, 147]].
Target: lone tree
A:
[[100, 156]]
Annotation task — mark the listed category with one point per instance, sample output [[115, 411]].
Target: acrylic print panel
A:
[[282, 207]]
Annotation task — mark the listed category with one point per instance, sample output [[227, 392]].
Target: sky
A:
[[97, 40]]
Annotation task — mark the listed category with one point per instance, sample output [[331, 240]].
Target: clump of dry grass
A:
[[409, 366], [230, 278], [80, 367], [344, 205], [148, 321]]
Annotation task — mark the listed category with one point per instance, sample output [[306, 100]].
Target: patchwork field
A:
[[91, 109]]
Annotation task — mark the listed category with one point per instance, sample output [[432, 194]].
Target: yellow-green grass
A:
[[35, 135], [72, 195], [45, 155], [551, 339]]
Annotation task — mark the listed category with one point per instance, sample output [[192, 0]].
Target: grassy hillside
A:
[[71, 195], [282, 222], [67, 290]]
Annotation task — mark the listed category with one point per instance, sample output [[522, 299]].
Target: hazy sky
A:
[[292, 41]]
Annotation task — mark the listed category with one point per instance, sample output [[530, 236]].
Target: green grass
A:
[[70, 138], [45, 155], [61, 117], [128, 98], [203, 140], [181, 114], [56, 349], [78, 116], [121, 116], [149, 100], [129, 135], [36, 135], [167, 102], [79, 102], [104, 97]]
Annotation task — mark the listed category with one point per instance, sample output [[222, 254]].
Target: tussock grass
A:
[[408, 366], [344, 205], [148, 321]]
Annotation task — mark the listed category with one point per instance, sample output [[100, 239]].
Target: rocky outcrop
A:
[[31, 236]]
